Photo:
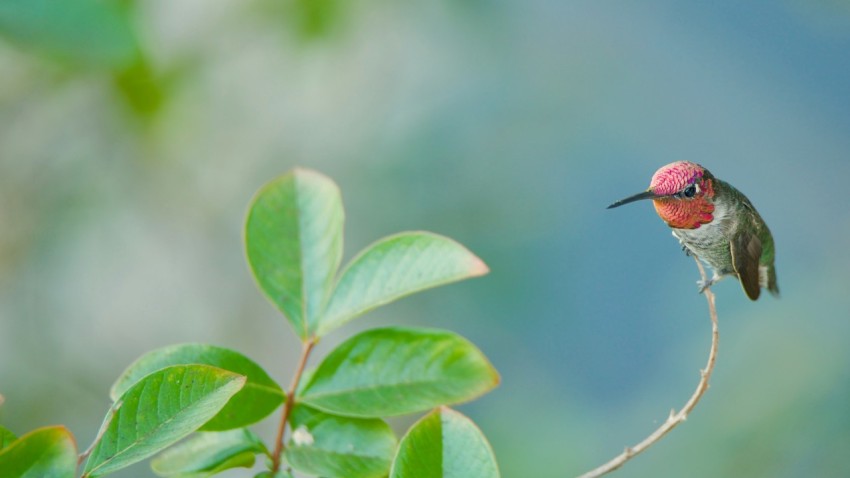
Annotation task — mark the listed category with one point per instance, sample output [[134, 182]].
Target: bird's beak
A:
[[648, 194]]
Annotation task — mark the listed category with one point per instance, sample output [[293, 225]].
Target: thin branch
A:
[[279, 446], [675, 418]]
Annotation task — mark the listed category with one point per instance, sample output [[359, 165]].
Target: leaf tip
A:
[[302, 172], [69, 438], [240, 380], [478, 267]]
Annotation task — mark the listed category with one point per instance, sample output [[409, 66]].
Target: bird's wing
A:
[[746, 251]]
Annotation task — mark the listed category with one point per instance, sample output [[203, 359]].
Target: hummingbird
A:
[[714, 222]]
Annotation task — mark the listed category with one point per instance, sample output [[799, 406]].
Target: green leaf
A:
[[209, 453], [394, 371], [444, 444], [6, 437], [48, 452], [259, 397], [394, 267], [158, 410], [339, 447], [293, 240], [92, 32], [269, 474]]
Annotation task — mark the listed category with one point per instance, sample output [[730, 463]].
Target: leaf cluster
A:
[[334, 413]]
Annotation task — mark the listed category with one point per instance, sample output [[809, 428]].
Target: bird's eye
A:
[[690, 191]]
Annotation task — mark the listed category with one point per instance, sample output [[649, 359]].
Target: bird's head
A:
[[682, 193]]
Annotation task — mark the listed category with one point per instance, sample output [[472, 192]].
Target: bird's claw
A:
[[705, 284]]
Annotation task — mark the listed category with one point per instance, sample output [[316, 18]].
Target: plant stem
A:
[[112, 411], [279, 447], [675, 418]]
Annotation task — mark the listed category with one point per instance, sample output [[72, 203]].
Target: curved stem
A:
[[675, 417], [112, 411], [279, 447]]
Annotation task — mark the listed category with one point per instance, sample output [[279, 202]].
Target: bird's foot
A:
[[707, 283]]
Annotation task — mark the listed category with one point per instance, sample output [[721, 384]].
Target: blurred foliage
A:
[[141, 88], [309, 20], [85, 35], [79, 32]]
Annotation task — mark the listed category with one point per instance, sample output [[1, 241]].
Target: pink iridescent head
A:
[[676, 178], [682, 193]]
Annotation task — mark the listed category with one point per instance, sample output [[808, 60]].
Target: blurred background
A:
[[133, 135]]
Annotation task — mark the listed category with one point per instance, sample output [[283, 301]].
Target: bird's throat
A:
[[684, 213]]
